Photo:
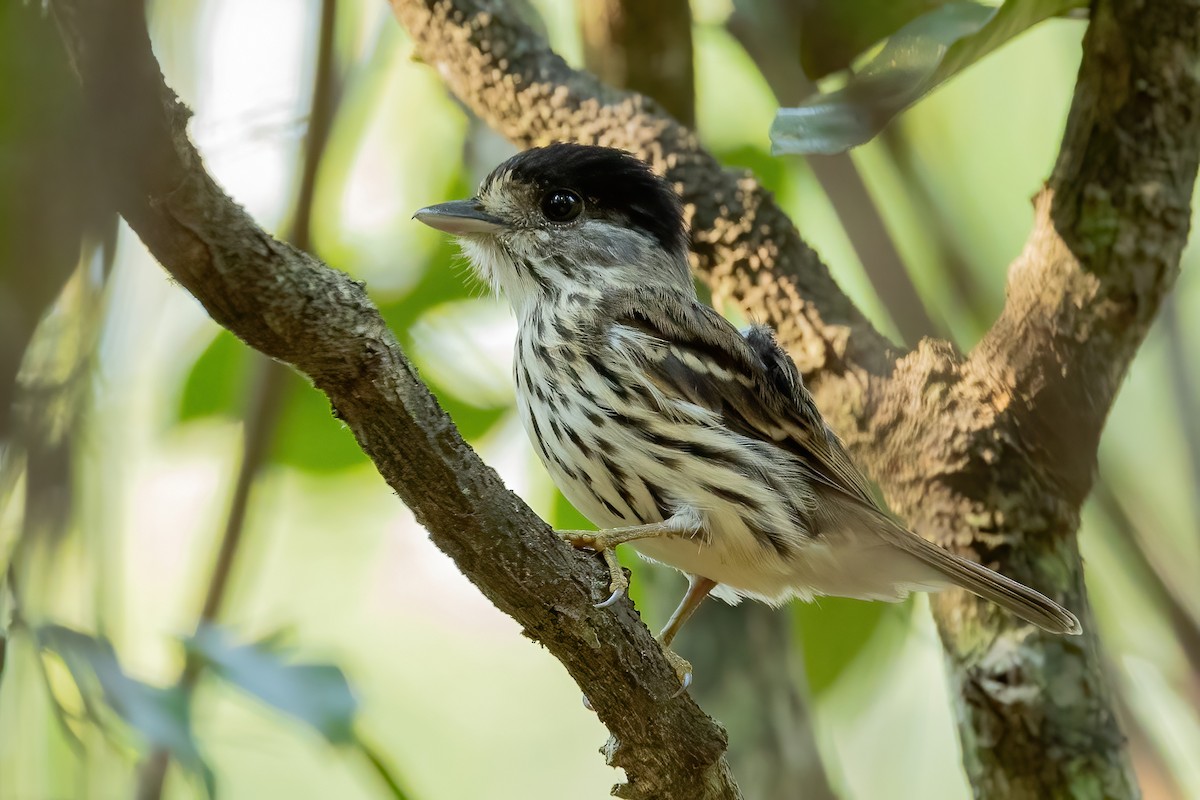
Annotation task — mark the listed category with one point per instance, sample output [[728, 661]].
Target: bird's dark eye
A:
[[561, 205]]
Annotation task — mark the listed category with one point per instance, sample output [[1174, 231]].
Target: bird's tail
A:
[[1028, 604]]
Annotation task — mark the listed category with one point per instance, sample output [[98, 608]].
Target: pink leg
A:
[[698, 589]]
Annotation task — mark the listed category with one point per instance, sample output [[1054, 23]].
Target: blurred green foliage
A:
[[832, 35], [161, 715], [833, 632], [316, 694]]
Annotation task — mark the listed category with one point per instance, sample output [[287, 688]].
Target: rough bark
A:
[[990, 454], [291, 307]]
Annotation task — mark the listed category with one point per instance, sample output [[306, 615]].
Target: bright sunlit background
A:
[[454, 699]]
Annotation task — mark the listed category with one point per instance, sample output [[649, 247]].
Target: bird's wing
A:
[[749, 381]]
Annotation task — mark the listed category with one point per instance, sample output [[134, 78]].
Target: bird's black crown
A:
[[610, 181]]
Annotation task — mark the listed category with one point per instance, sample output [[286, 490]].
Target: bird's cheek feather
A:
[[485, 257], [495, 263]]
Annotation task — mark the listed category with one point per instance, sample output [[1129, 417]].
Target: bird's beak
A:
[[460, 216]]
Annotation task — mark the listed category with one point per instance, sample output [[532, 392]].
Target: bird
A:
[[666, 426]]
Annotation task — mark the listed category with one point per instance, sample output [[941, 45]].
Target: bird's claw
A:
[[683, 686], [612, 598], [683, 670], [590, 540], [617, 582]]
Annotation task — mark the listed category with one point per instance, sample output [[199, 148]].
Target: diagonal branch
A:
[[261, 418], [288, 305]]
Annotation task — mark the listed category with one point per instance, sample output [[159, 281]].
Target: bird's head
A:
[[569, 218]]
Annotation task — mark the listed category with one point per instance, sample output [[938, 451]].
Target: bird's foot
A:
[[602, 543], [683, 670]]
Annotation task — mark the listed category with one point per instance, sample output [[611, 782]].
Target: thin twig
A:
[[953, 259], [258, 432]]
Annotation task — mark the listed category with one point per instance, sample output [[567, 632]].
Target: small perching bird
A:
[[662, 423]]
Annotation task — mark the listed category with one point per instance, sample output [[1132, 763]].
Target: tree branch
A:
[[1008, 436], [1110, 229], [288, 305]]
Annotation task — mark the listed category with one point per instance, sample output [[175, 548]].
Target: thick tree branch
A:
[[288, 305], [1008, 436], [1110, 229]]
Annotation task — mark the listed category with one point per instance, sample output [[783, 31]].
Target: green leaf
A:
[[834, 32], [833, 632], [216, 384], [316, 694], [918, 58], [161, 716]]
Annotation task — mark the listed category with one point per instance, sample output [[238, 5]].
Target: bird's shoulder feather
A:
[[748, 380]]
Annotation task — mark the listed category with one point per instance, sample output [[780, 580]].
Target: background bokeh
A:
[[145, 401]]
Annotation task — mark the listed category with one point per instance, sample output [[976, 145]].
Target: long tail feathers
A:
[[1031, 606]]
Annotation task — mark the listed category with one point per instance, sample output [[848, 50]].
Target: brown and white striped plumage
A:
[[646, 406]]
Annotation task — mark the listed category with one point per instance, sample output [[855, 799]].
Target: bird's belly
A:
[[652, 489], [741, 566]]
